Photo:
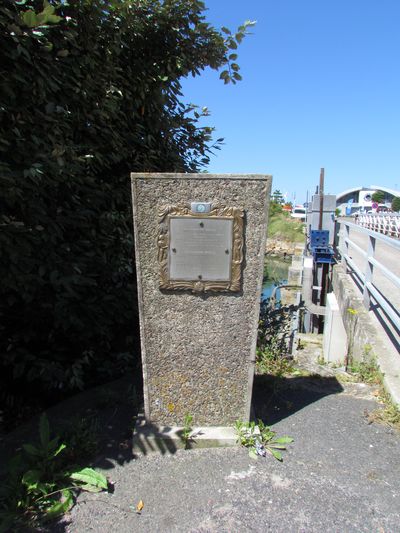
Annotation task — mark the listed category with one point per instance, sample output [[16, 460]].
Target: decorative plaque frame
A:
[[163, 243]]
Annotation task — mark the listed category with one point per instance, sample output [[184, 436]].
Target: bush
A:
[[90, 93]]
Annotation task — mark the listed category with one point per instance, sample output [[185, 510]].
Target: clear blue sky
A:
[[321, 88]]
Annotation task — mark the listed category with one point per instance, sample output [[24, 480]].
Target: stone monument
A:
[[199, 247]]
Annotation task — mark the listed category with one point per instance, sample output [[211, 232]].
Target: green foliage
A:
[[366, 370], [272, 341], [378, 197], [277, 197], [260, 439], [274, 208], [231, 42], [40, 485], [389, 414], [89, 480], [34, 20], [187, 430], [270, 356], [396, 204], [90, 92], [281, 226]]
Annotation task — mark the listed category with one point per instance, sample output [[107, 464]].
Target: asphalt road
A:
[[341, 474]]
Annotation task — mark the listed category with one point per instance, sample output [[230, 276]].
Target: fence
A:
[[373, 267], [386, 223]]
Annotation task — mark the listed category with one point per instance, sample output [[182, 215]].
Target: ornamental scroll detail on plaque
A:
[[200, 252]]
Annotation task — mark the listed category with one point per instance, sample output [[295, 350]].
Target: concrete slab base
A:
[[150, 438]]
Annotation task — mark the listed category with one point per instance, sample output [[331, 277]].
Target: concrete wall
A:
[[363, 339], [335, 338]]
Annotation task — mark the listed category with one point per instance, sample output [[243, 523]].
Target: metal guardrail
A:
[[366, 278], [386, 223]]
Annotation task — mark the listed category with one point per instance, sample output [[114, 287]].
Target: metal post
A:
[[344, 235], [369, 271], [321, 197]]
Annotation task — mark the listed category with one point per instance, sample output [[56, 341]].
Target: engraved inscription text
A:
[[200, 249]]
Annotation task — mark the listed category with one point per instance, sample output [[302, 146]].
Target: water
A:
[[275, 273]]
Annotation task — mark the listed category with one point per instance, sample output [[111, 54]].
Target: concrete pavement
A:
[[341, 474]]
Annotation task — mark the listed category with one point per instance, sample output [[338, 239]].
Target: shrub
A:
[[90, 93]]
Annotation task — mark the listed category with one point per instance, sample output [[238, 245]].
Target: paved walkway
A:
[[341, 474]]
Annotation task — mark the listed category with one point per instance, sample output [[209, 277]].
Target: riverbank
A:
[[281, 248], [285, 234]]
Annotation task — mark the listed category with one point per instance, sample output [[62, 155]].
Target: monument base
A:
[[150, 438]]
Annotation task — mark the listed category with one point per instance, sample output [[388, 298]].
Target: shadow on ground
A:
[[111, 411], [106, 415], [100, 421], [97, 423], [276, 398]]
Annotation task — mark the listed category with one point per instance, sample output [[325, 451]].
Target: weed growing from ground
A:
[[260, 439], [40, 486], [268, 361], [186, 431], [389, 414], [368, 371]]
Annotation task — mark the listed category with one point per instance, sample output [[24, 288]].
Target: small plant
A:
[[260, 439], [389, 414], [366, 371], [187, 430], [271, 360], [40, 486]]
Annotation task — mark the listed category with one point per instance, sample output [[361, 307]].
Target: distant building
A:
[[360, 198]]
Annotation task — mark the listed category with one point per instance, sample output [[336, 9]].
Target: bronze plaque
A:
[[200, 252]]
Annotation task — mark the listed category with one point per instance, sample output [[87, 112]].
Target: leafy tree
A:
[[378, 197], [277, 197], [90, 92], [396, 204], [274, 208]]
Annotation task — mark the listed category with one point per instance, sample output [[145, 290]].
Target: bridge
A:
[[366, 283], [385, 223]]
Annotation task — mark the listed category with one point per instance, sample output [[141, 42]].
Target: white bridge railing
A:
[[373, 269], [386, 223]]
